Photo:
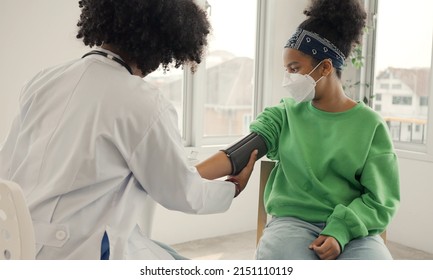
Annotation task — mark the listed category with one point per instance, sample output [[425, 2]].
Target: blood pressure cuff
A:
[[239, 153]]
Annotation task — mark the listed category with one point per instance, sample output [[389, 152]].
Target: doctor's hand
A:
[[243, 176], [326, 247]]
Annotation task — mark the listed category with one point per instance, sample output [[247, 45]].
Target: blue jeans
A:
[[288, 238]]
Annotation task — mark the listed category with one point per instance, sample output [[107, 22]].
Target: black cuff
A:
[[239, 153]]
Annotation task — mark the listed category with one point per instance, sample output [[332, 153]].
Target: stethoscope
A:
[[109, 56]]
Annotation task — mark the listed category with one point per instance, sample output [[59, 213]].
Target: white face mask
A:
[[300, 87]]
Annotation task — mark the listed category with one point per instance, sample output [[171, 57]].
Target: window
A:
[[401, 100], [171, 85], [230, 68], [396, 86], [248, 118], [384, 86], [402, 75], [215, 104]]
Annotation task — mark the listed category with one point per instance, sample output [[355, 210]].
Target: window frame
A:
[[194, 84], [422, 152]]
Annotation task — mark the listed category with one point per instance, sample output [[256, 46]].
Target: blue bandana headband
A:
[[312, 44]]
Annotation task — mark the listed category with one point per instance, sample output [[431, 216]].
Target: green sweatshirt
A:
[[337, 168]]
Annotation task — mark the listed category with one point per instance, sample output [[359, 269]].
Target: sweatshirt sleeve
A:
[[269, 124], [373, 210]]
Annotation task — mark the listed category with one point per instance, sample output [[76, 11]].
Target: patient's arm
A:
[[233, 159], [219, 165], [214, 167]]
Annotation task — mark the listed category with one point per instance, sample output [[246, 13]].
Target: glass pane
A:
[[403, 67], [228, 107], [171, 86]]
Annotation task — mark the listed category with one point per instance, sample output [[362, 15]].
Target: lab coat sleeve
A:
[[159, 163], [7, 149]]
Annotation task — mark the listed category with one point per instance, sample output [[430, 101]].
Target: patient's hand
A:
[[326, 247]]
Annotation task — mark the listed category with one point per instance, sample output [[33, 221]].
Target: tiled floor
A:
[[241, 246]]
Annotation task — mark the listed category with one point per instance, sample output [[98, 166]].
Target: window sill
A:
[[413, 155]]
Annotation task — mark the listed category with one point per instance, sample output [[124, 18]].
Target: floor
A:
[[241, 246]]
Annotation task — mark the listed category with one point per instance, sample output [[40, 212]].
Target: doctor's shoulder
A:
[[144, 97], [41, 77]]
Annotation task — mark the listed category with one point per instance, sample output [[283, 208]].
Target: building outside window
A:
[[396, 86], [215, 105], [402, 100], [402, 69], [384, 86]]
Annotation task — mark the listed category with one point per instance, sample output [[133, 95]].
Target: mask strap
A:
[[319, 79], [309, 74]]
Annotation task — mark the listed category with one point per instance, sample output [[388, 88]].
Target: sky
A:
[[404, 33], [234, 30]]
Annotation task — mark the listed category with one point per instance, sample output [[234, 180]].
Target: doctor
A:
[[93, 140]]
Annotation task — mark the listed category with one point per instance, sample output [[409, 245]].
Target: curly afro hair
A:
[[149, 33], [340, 21]]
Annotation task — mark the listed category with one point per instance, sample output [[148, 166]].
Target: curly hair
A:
[[149, 32], [340, 21]]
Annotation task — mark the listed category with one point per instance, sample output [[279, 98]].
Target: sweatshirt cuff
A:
[[338, 229]]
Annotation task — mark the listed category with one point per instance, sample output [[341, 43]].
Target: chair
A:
[[17, 238], [262, 217], [266, 167]]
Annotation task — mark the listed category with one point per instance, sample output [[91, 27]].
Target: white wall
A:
[[37, 34], [34, 35], [413, 223]]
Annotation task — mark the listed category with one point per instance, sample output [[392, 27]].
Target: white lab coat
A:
[[90, 144]]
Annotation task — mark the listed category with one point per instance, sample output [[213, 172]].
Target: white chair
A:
[[17, 238]]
